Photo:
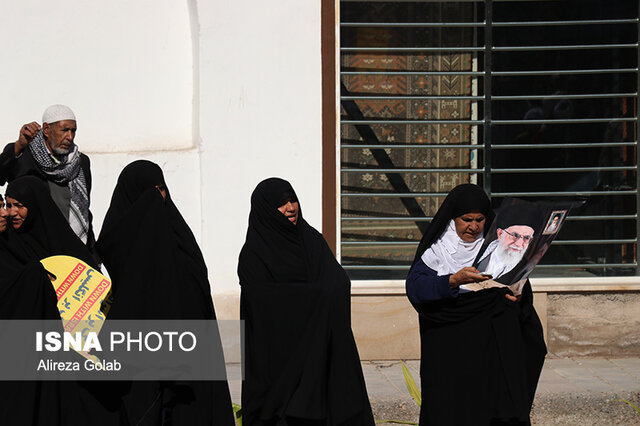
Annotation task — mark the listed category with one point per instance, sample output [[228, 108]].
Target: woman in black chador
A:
[[42, 232], [158, 272], [481, 352], [301, 362], [9, 262], [25, 293], [35, 230], [31, 229]]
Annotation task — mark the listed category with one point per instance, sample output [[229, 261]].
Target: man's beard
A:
[[508, 257], [61, 151]]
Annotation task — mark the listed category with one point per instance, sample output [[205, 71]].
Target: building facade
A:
[[373, 111]]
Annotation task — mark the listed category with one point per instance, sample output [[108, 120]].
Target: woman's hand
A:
[[513, 298], [465, 276]]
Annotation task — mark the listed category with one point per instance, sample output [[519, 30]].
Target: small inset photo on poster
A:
[[554, 222]]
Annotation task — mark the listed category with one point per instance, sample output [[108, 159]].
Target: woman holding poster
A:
[[481, 352]]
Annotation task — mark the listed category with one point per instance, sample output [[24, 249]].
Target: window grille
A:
[[536, 100]]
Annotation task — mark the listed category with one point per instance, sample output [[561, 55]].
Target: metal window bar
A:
[[498, 73], [576, 194], [487, 124], [410, 49], [481, 122], [494, 170], [500, 146], [494, 48], [419, 98], [555, 242], [563, 47], [495, 97], [577, 22], [429, 218], [369, 122], [540, 266], [637, 257], [480, 24]]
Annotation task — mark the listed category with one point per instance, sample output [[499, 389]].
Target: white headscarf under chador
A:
[[440, 247], [450, 253]]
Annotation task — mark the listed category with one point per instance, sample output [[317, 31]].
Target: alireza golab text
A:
[[153, 341]]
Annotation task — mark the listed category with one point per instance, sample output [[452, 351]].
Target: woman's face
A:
[[4, 214], [470, 226], [17, 212], [290, 211], [163, 190]]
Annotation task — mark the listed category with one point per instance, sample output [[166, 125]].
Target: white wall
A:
[[124, 67], [260, 115], [220, 94]]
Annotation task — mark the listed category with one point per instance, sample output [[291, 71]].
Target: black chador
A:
[[301, 362], [158, 272], [481, 353], [45, 232], [26, 293]]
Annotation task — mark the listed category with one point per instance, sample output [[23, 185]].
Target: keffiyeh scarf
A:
[[66, 170]]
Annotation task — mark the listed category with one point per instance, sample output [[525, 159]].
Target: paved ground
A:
[[570, 392]]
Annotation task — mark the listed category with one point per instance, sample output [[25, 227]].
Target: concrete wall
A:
[[593, 324], [220, 94], [385, 327]]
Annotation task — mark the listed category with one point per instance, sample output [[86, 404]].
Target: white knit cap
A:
[[57, 113]]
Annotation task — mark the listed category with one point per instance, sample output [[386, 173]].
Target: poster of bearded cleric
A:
[[516, 241]]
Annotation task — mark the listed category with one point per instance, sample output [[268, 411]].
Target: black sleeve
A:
[[85, 164], [425, 285], [8, 162]]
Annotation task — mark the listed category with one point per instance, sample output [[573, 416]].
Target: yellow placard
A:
[[83, 293]]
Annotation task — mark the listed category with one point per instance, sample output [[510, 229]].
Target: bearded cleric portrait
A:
[[503, 253], [49, 153]]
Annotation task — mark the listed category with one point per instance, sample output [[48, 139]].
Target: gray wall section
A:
[[594, 324], [604, 324]]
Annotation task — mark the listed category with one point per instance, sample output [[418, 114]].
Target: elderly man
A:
[[50, 153], [515, 231]]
